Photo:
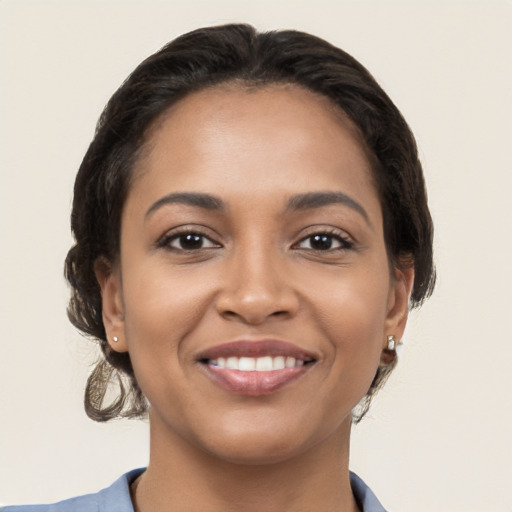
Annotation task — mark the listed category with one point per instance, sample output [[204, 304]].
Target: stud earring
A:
[[115, 339], [392, 343]]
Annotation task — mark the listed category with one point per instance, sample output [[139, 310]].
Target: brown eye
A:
[[324, 242], [189, 242]]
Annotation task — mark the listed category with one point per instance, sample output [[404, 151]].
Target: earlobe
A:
[[109, 280]]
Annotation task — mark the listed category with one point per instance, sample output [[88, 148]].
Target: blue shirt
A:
[[116, 498]]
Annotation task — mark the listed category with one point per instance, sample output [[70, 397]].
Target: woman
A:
[[251, 229]]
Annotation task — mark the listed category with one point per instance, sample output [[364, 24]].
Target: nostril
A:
[[249, 305], [253, 316]]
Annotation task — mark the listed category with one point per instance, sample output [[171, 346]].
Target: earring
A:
[[115, 339], [392, 343]]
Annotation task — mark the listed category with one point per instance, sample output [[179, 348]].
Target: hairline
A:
[[250, 86]]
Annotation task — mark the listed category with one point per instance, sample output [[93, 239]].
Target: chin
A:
[[264, 443], [257, 451]]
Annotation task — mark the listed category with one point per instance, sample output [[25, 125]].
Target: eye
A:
[[188, 241], [324, 242]]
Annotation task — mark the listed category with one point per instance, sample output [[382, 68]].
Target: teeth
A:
[[264, 364], [247, 364], [231, 363], [290, 362], [260, 364], [278, 363]]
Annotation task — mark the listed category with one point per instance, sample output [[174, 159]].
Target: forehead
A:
[[253, 106], [264, 138]]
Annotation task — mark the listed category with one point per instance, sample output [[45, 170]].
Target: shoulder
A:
[[115, 498], [365, 497]]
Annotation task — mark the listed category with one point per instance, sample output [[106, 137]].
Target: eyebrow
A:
[[296, 202], [206, 201], [319, 199]]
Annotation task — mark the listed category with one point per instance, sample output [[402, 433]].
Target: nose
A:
[[257, 288]]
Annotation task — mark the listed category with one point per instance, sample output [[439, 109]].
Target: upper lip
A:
[[256, 348]]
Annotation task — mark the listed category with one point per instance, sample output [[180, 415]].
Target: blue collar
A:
[[116, 498]]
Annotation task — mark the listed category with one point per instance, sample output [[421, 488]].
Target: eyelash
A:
[[167, 240], [332, 236]]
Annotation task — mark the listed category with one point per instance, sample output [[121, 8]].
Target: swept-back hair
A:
[[204, 58]]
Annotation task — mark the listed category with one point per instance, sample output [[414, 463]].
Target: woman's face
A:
[[253, 293]]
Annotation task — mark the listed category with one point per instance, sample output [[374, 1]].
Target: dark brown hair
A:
[[204, 58]]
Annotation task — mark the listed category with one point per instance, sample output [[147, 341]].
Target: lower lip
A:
[[255, 383]]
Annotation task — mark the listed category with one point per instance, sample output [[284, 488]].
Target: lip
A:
[[255, 383], [256, 348]]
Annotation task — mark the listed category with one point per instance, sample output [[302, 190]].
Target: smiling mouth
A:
[[255, 368]]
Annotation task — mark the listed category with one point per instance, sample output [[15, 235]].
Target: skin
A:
[[256, 275]]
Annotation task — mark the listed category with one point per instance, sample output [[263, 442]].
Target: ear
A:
[[109, 279], [398, 303]]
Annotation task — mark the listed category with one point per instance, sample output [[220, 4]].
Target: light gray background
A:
[[439, 436]]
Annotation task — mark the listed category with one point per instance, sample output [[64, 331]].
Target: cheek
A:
[[351, 302], [352, 317], [160, 315], [162, 307]]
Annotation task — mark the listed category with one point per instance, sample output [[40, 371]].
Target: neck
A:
[[181, 477]]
